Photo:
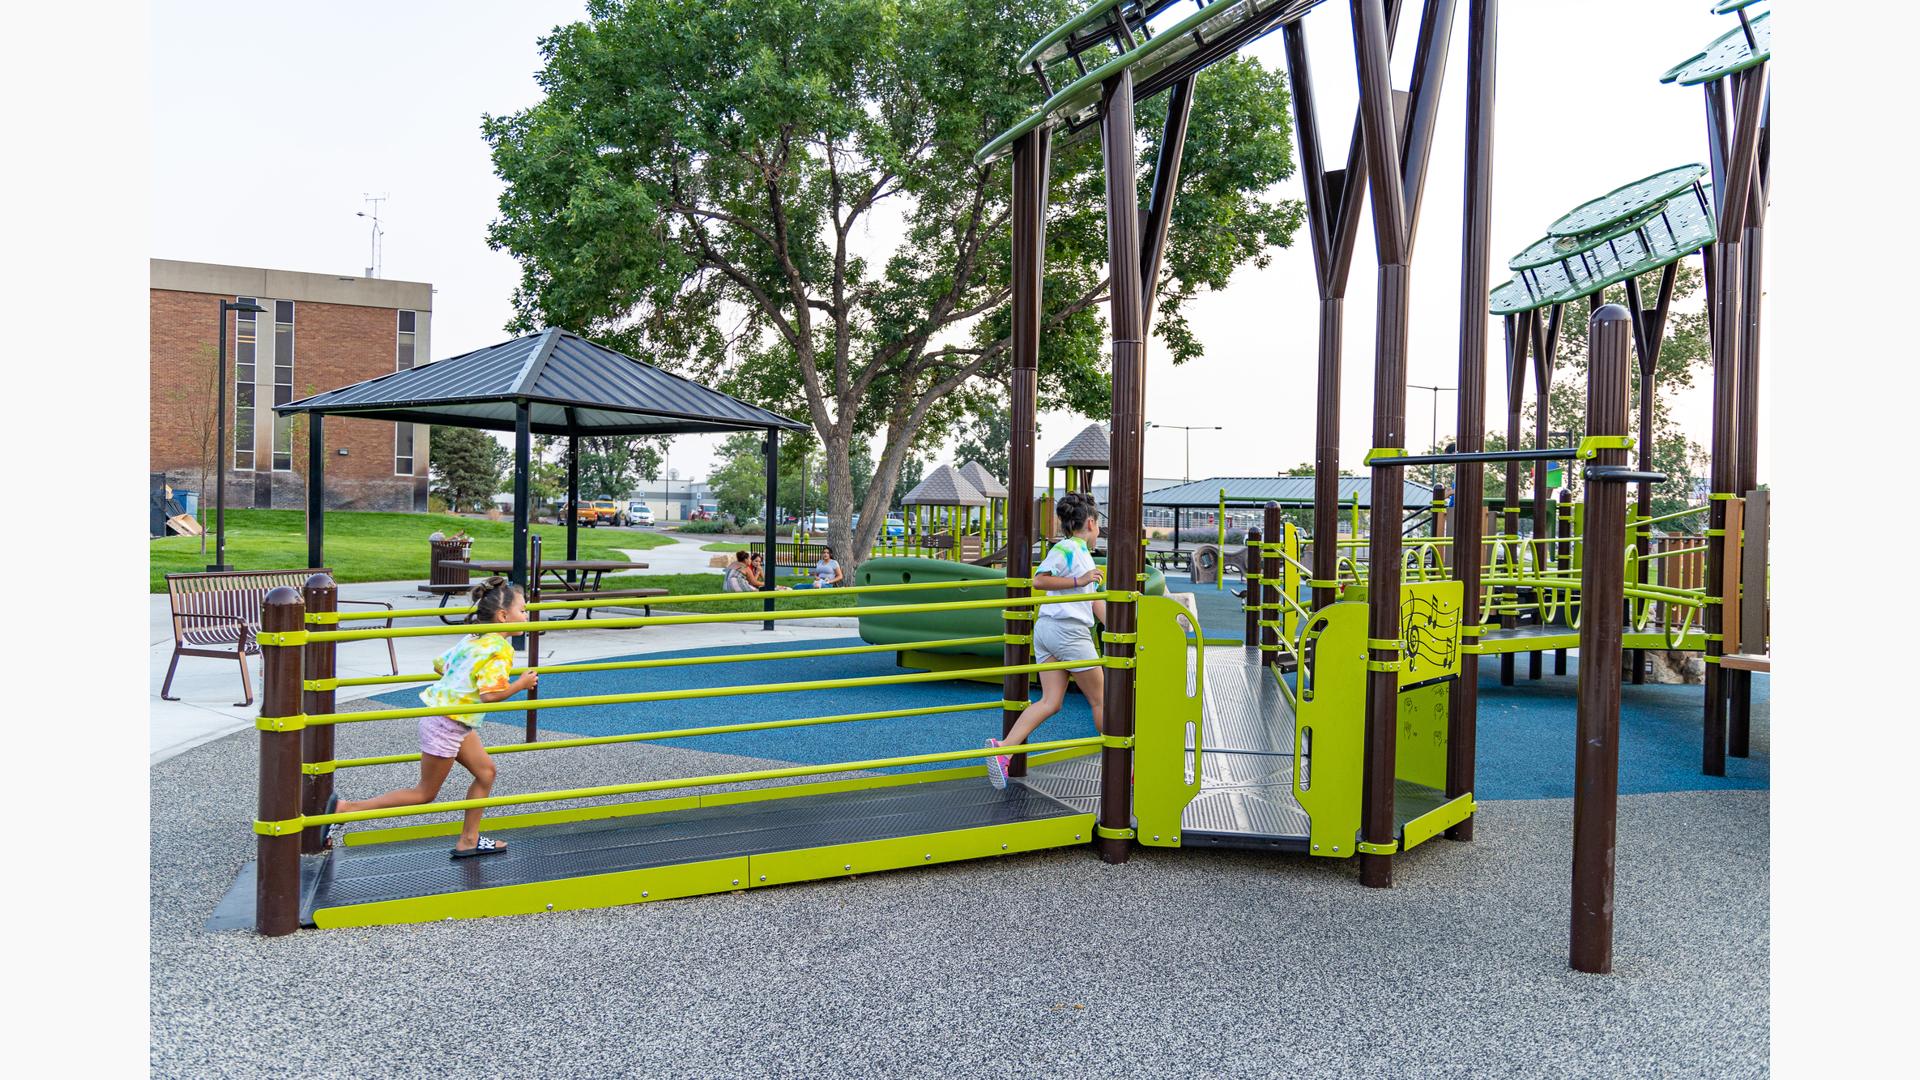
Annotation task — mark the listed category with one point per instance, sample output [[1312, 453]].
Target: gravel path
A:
[[1175, 964]]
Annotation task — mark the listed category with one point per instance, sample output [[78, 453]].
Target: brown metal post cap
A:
[[1611, 313], [283, 594]]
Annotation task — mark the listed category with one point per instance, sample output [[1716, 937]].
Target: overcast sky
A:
[[271, 121]]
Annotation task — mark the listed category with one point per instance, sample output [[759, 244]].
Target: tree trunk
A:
[[847, 551]]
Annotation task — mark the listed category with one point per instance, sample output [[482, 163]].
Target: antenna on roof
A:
[[373, 244]]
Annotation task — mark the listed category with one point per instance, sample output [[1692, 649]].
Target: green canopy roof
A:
[[1682, 226], [1728, 53]]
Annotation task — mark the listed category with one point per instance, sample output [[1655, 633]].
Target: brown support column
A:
[[1543, 361], [1562, 560], [276, 898], [1250, 607], [1272, 577], [1124, 472], [1030, 171], [1463, 699], [1649, 333], [1740, 720], [1381, 132], [316, 740], [1596, 790], [1520, 335]]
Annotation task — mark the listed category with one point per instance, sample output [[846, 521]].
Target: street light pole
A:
[[1435, 440], [220, 442], [1187, 470]]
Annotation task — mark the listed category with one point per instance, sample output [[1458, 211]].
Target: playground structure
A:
[[1366, 752]]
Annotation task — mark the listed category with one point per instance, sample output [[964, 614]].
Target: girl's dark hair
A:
[[741, 555], [490, 598], [826, 551], [1074, 509]]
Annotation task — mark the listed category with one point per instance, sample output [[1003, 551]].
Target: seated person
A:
[[739, 574], [826, 572]]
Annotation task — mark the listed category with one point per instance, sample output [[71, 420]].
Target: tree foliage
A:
[[988, 436], [701, 181], [465, 466]]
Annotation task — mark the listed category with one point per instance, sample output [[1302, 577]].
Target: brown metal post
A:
[[1519, 339], [1250, 608], [316, 740], [1126, 443], [1273, 575], [1562, 560], [276, 900], [1392, 245], [1740, 688], [1463, 700], [1030, 172], [533, 639], [1596, 790]]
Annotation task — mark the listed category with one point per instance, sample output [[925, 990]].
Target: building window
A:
[[282, 384], [245, 354], [403, 348], [403, 449]]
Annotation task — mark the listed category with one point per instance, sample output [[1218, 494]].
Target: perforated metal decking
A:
[[730, 836]]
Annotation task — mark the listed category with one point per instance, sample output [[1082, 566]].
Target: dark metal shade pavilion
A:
[[549, 383]]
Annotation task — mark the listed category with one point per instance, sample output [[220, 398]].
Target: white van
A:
[[639, 513]]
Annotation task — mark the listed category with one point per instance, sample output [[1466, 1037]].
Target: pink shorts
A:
[[440, 736]]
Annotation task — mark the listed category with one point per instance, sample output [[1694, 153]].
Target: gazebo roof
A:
[[574, 387], [983, 481], [1087, 450], [944, 486]]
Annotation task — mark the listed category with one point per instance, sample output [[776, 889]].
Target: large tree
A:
[[704, 181], [465, 465]]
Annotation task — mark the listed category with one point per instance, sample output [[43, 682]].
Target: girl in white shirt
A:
[[1063, 632]]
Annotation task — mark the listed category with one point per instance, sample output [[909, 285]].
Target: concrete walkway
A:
[[209, 689]]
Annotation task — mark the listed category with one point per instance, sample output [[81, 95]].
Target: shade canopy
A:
[[1288, 491], [1087, 450], [571, 385], [944, 486]]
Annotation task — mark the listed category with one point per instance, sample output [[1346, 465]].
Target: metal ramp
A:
[[734, 843], [1246, 798]]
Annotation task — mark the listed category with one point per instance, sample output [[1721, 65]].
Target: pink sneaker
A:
[[997, 767]]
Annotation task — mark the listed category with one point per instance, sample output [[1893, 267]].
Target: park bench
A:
[[217, 615]]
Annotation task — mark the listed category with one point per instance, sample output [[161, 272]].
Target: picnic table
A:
[[572, 579]]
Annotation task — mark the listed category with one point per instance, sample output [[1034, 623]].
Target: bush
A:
[[703, 527], [1211, 536]]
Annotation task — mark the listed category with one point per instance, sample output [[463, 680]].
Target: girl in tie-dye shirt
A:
[[475, 670]]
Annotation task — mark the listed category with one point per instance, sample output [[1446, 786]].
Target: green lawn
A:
[[366, 546], [690, 584], [723, 545]]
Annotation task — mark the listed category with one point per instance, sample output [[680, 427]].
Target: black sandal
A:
[[486, 846]]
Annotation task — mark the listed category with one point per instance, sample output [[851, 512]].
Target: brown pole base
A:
[[1462, 832], [1591, 961], [1113, 850], [1533, 665], [1639, 667], [1506, 669], [1560, 662], [1376, 871], [1740, 706]]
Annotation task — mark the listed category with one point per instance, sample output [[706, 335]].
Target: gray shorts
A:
[[1063, 639]]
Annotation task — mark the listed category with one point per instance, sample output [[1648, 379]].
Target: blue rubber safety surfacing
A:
[[1525, 744]]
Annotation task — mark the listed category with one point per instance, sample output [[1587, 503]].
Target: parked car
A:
[[895, 526], [814, 524], [611, 513], [585, 514], [639, 513]]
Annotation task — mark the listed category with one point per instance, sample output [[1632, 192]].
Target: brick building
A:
[[318, 332]]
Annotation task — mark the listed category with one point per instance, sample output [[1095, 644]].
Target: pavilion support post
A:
[[1250, 605], [1124, 471], [1273, 578], [522, 488], [1166, 180], [573, 501], [1463, 704], [316, 491], [1030, 171], [1596, 791], [767, 519]]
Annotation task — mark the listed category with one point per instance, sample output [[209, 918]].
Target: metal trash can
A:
[[448, 549]]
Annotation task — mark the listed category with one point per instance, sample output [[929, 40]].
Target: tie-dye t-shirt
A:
[[479, 663]]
